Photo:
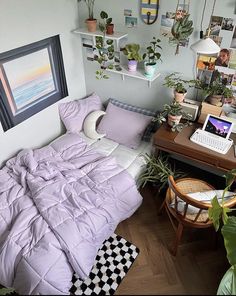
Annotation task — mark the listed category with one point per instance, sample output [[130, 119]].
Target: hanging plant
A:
[[181, 30]]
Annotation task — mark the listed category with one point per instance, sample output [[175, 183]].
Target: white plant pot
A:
[[173, 119], [149, 69]]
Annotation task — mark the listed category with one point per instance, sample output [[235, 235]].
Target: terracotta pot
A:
[[110, 29], [91, 25], [132, 65], [173, 119], [179, 97]]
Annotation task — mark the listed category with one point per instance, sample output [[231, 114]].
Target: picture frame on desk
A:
[[32, 77]]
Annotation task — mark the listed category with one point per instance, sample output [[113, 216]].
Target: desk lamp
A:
[[206, 45]]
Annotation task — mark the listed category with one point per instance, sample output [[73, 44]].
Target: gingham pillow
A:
[[150, 128]]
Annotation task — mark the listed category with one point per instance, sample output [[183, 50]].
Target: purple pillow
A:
[[123, 126], [74, 112]]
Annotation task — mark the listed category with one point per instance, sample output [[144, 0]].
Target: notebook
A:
[[214, 134]]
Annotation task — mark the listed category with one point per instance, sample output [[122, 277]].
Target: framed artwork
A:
[[32, 77]]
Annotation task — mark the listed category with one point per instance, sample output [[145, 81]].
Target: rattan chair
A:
[[187, 211]]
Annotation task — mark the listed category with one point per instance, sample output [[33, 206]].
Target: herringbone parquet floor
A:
[[196, 270]]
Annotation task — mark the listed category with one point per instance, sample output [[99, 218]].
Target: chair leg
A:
[[177, 239]]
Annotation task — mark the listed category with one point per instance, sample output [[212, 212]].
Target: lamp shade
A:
[[205, 46]]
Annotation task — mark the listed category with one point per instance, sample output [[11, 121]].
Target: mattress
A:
[[130, 159]]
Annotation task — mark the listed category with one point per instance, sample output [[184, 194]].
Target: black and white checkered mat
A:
[[111, 265]]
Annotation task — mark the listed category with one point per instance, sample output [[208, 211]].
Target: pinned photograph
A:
[[87, 42], [184, 43], [205, 76], [131, 22], [166, 25], [90, 54], [233, 41], [232, 59], [223, 58], [215, 26], [127, 12], [216, 39], [225, 74], [117, 57], [206, 62], [227, 24]]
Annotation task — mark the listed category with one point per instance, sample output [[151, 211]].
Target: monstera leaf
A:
[[229, 234]]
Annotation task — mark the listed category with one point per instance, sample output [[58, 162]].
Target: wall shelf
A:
[[139, 74], [117, 36]]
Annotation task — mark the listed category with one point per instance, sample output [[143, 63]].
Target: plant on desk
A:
[[179, 85], [217, 213], [174, 113]]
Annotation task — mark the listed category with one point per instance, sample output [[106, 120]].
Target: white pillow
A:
[[89, 125], [205, 196]]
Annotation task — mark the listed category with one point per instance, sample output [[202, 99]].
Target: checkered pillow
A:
[[150, 128]]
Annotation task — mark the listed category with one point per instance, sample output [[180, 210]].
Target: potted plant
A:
[[214, 95], [90, 21], [131, 50], [174, 113], [106, 26], [179, 85], [157, 171], [152, 55], [219, 212]]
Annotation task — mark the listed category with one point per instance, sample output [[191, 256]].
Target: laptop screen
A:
[[218, 126]]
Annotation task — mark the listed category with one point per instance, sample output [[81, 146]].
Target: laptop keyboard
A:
[[204, 139]]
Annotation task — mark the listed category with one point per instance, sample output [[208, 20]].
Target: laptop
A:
[[214, 134]]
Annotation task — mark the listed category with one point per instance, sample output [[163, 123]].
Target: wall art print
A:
[[32, 77]]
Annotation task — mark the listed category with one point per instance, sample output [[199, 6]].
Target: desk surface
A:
[[179, 143]]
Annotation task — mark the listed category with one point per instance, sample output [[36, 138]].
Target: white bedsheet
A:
[[130, 159]]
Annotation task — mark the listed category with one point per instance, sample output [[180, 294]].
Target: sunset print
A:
[[30, 79]]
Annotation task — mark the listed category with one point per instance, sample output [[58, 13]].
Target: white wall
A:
[[26, 21], [137, 91]]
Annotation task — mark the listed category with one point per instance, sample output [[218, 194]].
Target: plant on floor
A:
[[173, 112], [158, 169], [181, 30], [219, 213]]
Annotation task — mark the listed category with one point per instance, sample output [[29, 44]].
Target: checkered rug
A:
[[112, 263]]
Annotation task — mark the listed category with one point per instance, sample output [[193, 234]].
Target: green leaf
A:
[[229, 233], [103, 15], [228, 283], [5, 291], [215, 213], [109, 41], [230, 177]]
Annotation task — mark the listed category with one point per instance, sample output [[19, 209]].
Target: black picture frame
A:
[[32, 77]]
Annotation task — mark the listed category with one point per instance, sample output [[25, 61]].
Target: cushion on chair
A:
[[124, 126]]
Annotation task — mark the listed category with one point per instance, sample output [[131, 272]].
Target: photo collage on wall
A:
[[223, 64]]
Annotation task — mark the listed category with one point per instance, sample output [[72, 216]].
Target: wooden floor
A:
[[197, 269]]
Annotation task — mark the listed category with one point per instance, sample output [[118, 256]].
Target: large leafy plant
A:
[[181, 30], [180, 85], [219, 213], [131, 50], [152, 52], [90, 6]]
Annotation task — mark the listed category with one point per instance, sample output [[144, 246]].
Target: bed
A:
[[58, 204]]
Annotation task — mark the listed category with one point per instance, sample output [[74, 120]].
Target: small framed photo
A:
[[131, 22]]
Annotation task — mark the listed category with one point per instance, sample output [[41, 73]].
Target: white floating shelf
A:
[[139, 74]]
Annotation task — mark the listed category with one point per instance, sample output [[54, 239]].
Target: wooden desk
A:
[[179, 144]]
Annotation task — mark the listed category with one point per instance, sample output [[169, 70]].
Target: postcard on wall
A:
[[127, 12], [166, 25], [223, 58], [86, 42], [206, 62], [131, 22], [232, 59], [204, 75], [90, 54], [227, 24], [225, 74], [215, 25], [233, 41], [216, 39]]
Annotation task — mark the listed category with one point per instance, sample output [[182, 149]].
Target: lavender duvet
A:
[[57, 206]]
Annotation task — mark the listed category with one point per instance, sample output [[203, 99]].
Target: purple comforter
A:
[[57, 205]]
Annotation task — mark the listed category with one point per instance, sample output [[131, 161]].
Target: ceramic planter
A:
[[110, 29], [173, 119], [179, 97], [91, 25], [132, 65], [216, 100], [149, 69]]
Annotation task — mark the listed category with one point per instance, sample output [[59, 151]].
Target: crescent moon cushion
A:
[[90, 125]]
